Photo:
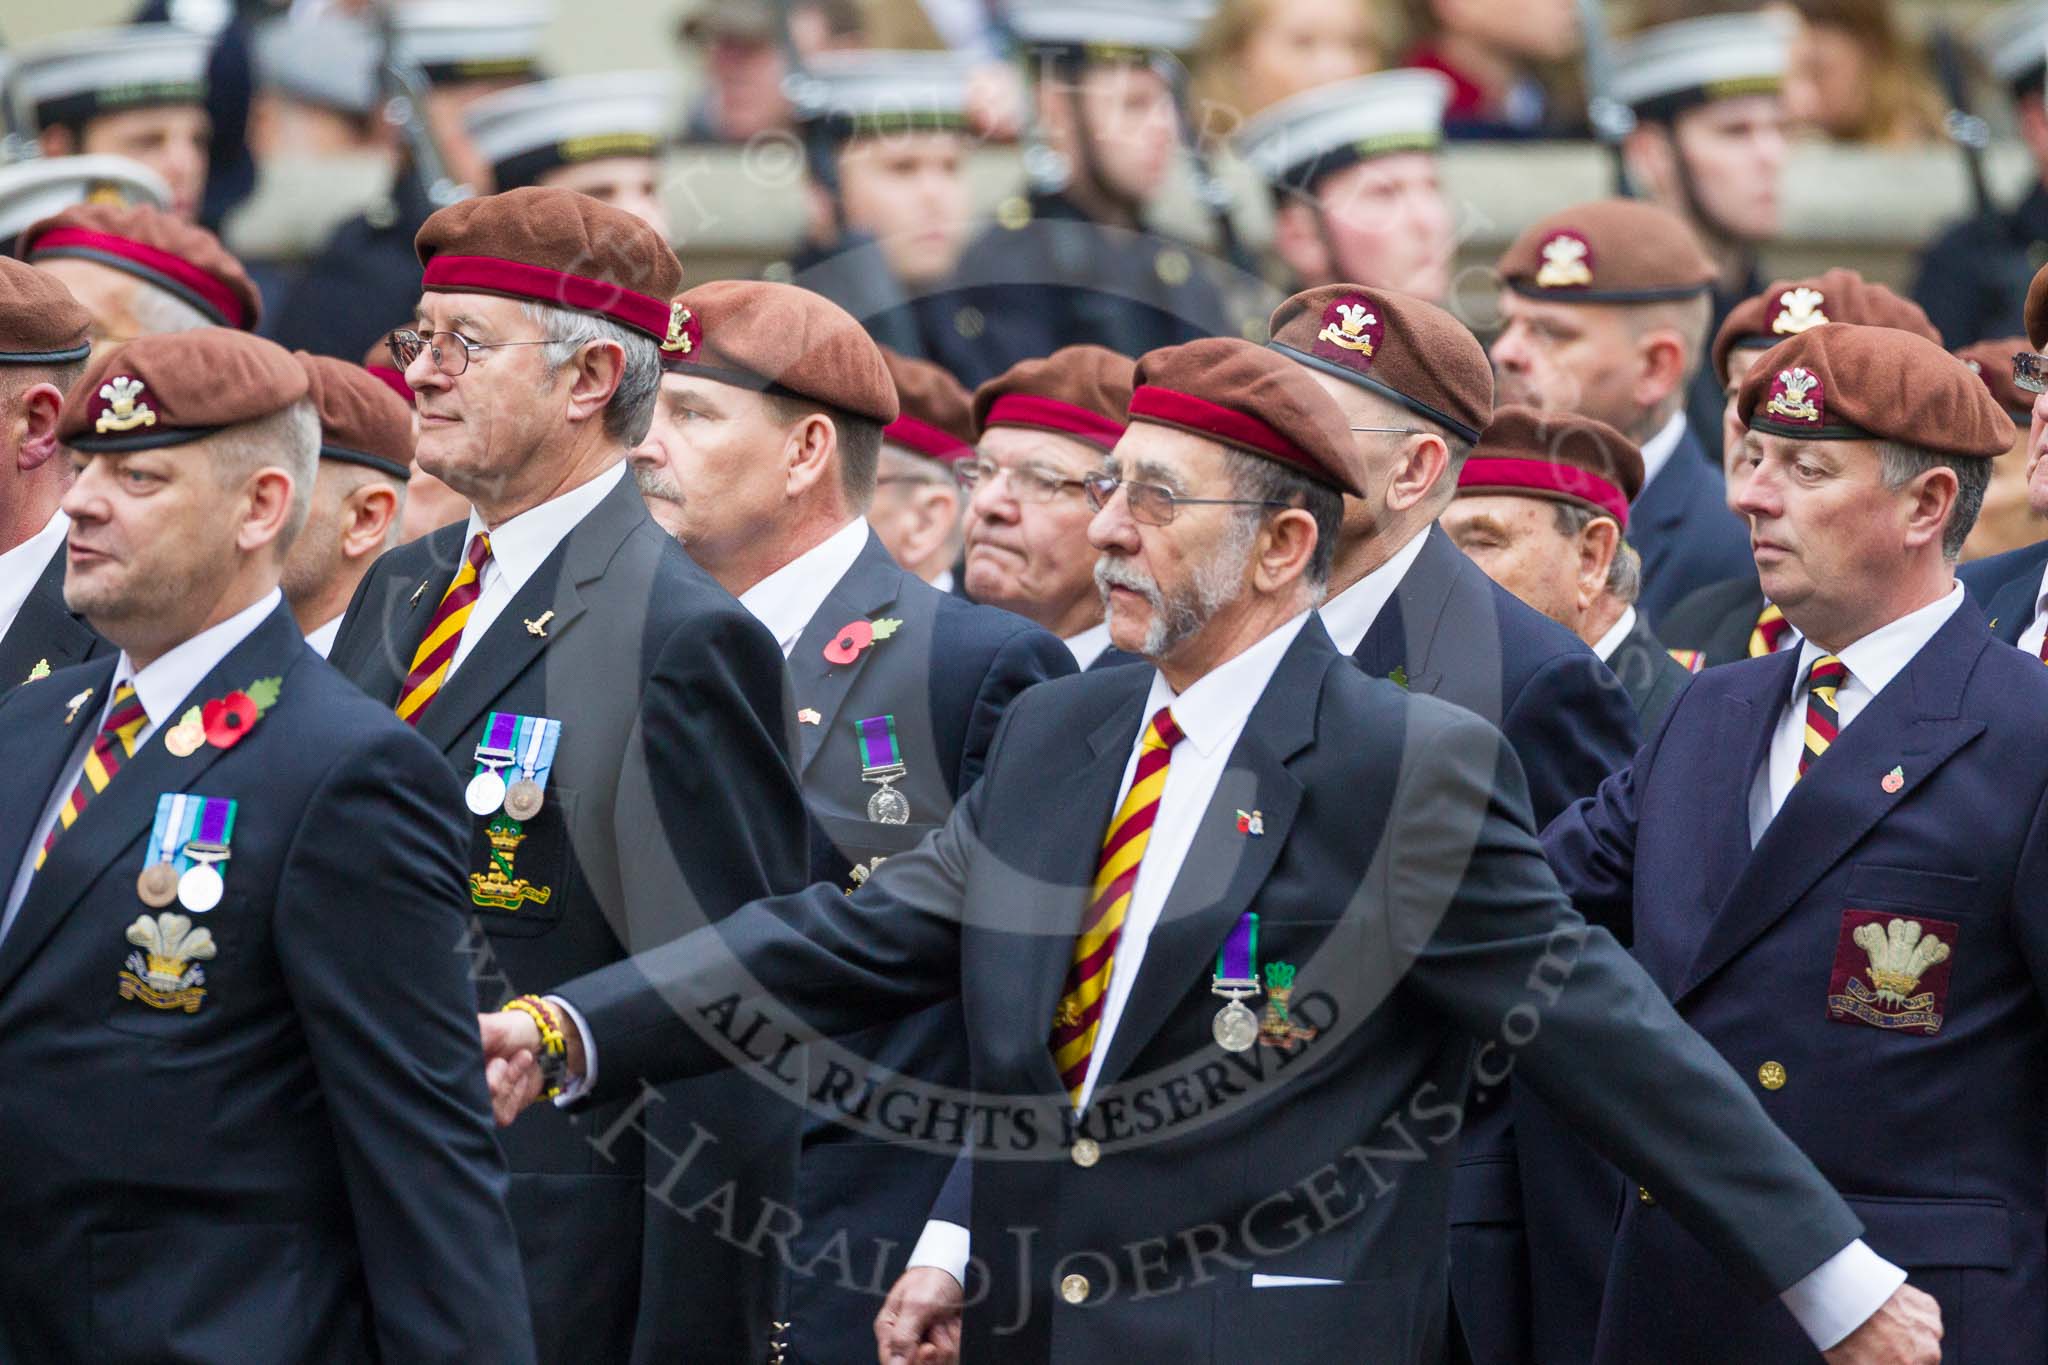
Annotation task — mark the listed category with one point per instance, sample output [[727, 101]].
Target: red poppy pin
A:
[[853, 637], [224, 720]]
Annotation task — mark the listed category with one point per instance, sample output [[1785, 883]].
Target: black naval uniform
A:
[[941, 324], [46, 632], [1974, 276], [364, 282]]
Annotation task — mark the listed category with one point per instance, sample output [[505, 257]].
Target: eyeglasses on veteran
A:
[[1155, 504], [452, 351]]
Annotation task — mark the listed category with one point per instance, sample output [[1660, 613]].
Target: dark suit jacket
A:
[[947, 675], [301, 1168], [1397, 871], [1681, 525], [1452, 632], [1944, 1160], [2007, 586], [672, 801], [46, 631], [1717, 620], [1646, 669]]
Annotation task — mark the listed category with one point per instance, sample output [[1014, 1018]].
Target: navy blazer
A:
[[1681, 525], [1646, 669], [46, 633], [1717, 620], [1394, 869], [1929, 813], [298, 1163], [2007, 586]]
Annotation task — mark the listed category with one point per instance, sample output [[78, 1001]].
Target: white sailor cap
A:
[[33, 190], [875, 92], [461, 40], [1107, 30], [330, 61], [1674, 66], [529, 130], [64, 81], [2013, 41], [1296, 142]]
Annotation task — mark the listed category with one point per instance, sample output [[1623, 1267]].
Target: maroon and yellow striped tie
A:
[[444, 633], [1770, 632], [1087, 985], [1823, 720], [113, 747]]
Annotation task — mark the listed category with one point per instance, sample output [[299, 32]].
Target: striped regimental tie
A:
[[1087, 985], [1771, 630], [1823, 721], [114, 746], [444, 633]]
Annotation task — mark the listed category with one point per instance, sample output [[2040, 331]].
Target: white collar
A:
[[522, 543], [1089, 645], [786, 600], [1217, 704], [1616, 633], [944, 582], [1350, 614], [1658, 449], [320, 639], [1883, 654], [2041, 597], [170, 678]]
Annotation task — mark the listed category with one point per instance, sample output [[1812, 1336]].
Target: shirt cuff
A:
[[942, 1246], [578, 1086], [1842, 1294]]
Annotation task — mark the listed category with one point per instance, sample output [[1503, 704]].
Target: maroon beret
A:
[[1078, 391], [2037, 310], [175, 387], [779, 338], [361, 420], [1608, 251], [170, 253], [1556, 455], [40, 323], [1251, 398], [1790, 307], [1400, 347], [936, 415], [1991, 361], [1845, 382], [553, 246], [377, 360]]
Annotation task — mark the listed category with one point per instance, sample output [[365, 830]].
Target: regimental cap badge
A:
[[1352, 332], [1567, 262], [1799, 310], [1796, 396], [1892, 971], [684, 331], [121, 407]]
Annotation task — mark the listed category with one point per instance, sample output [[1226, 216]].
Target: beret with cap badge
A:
[[780, 338], [1789, 307], [1079, 391], [175, 387], [1400, 347], [1608, 251], [361, 421], [1843, 382], [1250, 398]]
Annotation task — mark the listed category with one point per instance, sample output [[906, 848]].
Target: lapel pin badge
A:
[[1894, 780], [538, 626], [1251, 822], [418, 593], [76, 702], [808, 717], [40, 671]]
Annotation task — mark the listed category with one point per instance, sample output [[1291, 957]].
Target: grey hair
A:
[[158, 311], [1898, 464], [1262, 480], [288, 439], [1624, 571], [630, 414]]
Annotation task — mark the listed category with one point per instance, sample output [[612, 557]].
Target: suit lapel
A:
[[872, 584], [1402, 635], [123, 813], [40, 746], [410, 602], [1914, 725], [2011, 608], [44, 631]]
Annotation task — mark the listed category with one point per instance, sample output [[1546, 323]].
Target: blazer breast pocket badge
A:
[[1891, 971], [164, 973]]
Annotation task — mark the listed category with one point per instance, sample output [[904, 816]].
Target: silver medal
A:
[[199, 890], [889, 806], [1236, 1028], [486, 792]]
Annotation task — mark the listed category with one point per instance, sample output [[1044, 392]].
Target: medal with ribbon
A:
[[187, 844], [1236, 1028], [881, 762], [523, 744]]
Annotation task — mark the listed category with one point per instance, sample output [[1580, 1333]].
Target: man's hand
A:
[[1905, 1331], [511, 1042], [920, 1320]]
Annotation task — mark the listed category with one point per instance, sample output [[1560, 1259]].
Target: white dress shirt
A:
[[2030, 638], [518, 549], [1657, 451], [21, 566], [159, 687], [1088, 646], [320, 639], [1616, 633], [1350, 614], [944, 582], [786, 600]]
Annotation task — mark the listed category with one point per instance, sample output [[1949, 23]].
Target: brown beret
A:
[[1395, 345], [40, 323], [2037, 310], [175, 387], [377, 360], [936, 417], [1845, 382], [558, 247], [1260, 402], [1078, 391], [361, 421], [1790, 307], [1556, 455], [1608, 251], [778, 338], [178, 257], [1991, 361]]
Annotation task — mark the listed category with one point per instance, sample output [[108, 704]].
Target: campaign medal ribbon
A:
[[158, 885], [187, 844], [881, 762], [536, 747], [1236, 1028], [486, 790]]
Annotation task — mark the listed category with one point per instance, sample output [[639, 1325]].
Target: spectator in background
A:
[[44, 186], [1855, 78], [316, 90], [600, 135], [1491, 52], [1255, 53], [2007, 521], [740, 44]]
